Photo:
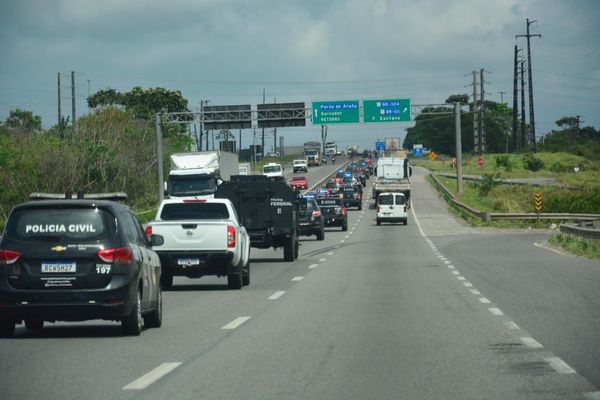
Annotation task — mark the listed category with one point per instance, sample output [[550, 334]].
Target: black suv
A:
[[311, 221], [334, 212], [352, 196], [76, 260]]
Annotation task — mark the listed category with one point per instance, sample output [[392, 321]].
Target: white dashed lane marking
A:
[[146, 380], [313, 266], [559, 365], [467, 284], [235, 323], [484, 300], [330, 253], [342, 241], [455, 272], [474, 291], [531, 342], [322, 259], [451, 266], [496, 311], [461, 278], [276, 295], [448, 262], [297, 278]]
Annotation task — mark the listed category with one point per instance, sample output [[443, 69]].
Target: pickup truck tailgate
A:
[[192, 235]]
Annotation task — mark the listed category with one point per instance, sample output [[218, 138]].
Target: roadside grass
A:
[[146, 216], [556, 165], [575, 245]]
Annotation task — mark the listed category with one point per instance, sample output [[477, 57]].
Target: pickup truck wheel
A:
[[134, 323], [378, 222], [289, 248], [154, 318], [359, 206], [234, 281], [7, 328], [405, 221], [166, 280], [246, 273]]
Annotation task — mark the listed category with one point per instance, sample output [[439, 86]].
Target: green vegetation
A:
[[576, 245], [110, 150]]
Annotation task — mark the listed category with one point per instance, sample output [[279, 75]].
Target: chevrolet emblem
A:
[[58, 248]]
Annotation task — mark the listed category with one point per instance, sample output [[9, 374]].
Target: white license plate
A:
[[59, 267], [188, 261]]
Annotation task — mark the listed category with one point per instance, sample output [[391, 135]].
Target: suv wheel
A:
[[345, 226], [321, 235], [7, 328], [133, 324], [289, 248], [246, 274], [34, 324], [378, 221], [154, 318]]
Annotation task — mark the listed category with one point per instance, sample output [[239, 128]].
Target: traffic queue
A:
[[76, 257]]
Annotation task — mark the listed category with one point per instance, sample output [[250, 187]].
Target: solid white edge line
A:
[[313, 266], [146, 380], [559, 365], [276, 295], [484, 300], [235, 323], [297, 278], [531, 342], [542, 246], [412, 208], [496, 311]]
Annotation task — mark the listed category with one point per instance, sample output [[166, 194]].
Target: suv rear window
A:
[[61, 224], [181, 211]]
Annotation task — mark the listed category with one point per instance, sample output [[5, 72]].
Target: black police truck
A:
[[77, 259], [268, 209]]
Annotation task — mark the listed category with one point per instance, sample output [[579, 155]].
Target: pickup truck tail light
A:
[[119, 255], [230, 237], [378, 208], [148, 230], [8, 257], [316, 213]]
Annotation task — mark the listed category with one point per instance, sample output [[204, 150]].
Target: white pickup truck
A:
[[197, 237]]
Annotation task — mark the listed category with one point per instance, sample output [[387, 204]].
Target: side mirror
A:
[[219, 181]]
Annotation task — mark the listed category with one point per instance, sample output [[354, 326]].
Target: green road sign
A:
[[393, 110], [335, 112]]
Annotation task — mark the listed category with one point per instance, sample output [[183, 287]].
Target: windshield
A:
[[272, 168], [183, 185], [61, 225], [311, 152], [299, 162]]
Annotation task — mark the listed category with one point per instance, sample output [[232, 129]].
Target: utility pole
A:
[[502, 96], [530, 82], [239, 148], [73, 114], [275, 135], [523, 123], [262, 143], [577, 127], [59, 110], [515, 121], [482, 141], [476, 140], [459, 181], [159, 160]]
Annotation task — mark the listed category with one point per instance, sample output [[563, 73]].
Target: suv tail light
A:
[[8, 257], [316, 213], [120, 255], [149, 230], [378, 208], [230, 237], [343, 210]]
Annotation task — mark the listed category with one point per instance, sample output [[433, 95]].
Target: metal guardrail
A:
[[588, 230], [485, 216]]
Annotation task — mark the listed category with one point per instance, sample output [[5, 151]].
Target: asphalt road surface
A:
[[432, 310]]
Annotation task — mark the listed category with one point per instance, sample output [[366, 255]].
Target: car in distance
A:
[[391, 207], [334, 212], [299, 182], [310, 221], [273, 170], [75, 260], [300, 165]]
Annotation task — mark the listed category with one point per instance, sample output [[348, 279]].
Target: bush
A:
[[503, 161], [532, 163], [488, 183], [557, 166]]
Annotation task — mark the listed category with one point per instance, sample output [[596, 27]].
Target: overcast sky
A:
[[227, 51]]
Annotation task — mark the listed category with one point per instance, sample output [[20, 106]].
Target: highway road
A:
[[432, 310]]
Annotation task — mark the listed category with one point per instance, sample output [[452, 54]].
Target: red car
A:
[[299, 182]]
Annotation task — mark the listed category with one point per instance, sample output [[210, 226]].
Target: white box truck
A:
[[197, 174]]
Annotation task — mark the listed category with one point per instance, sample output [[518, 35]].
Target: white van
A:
[[273, 170], [391, 207]]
